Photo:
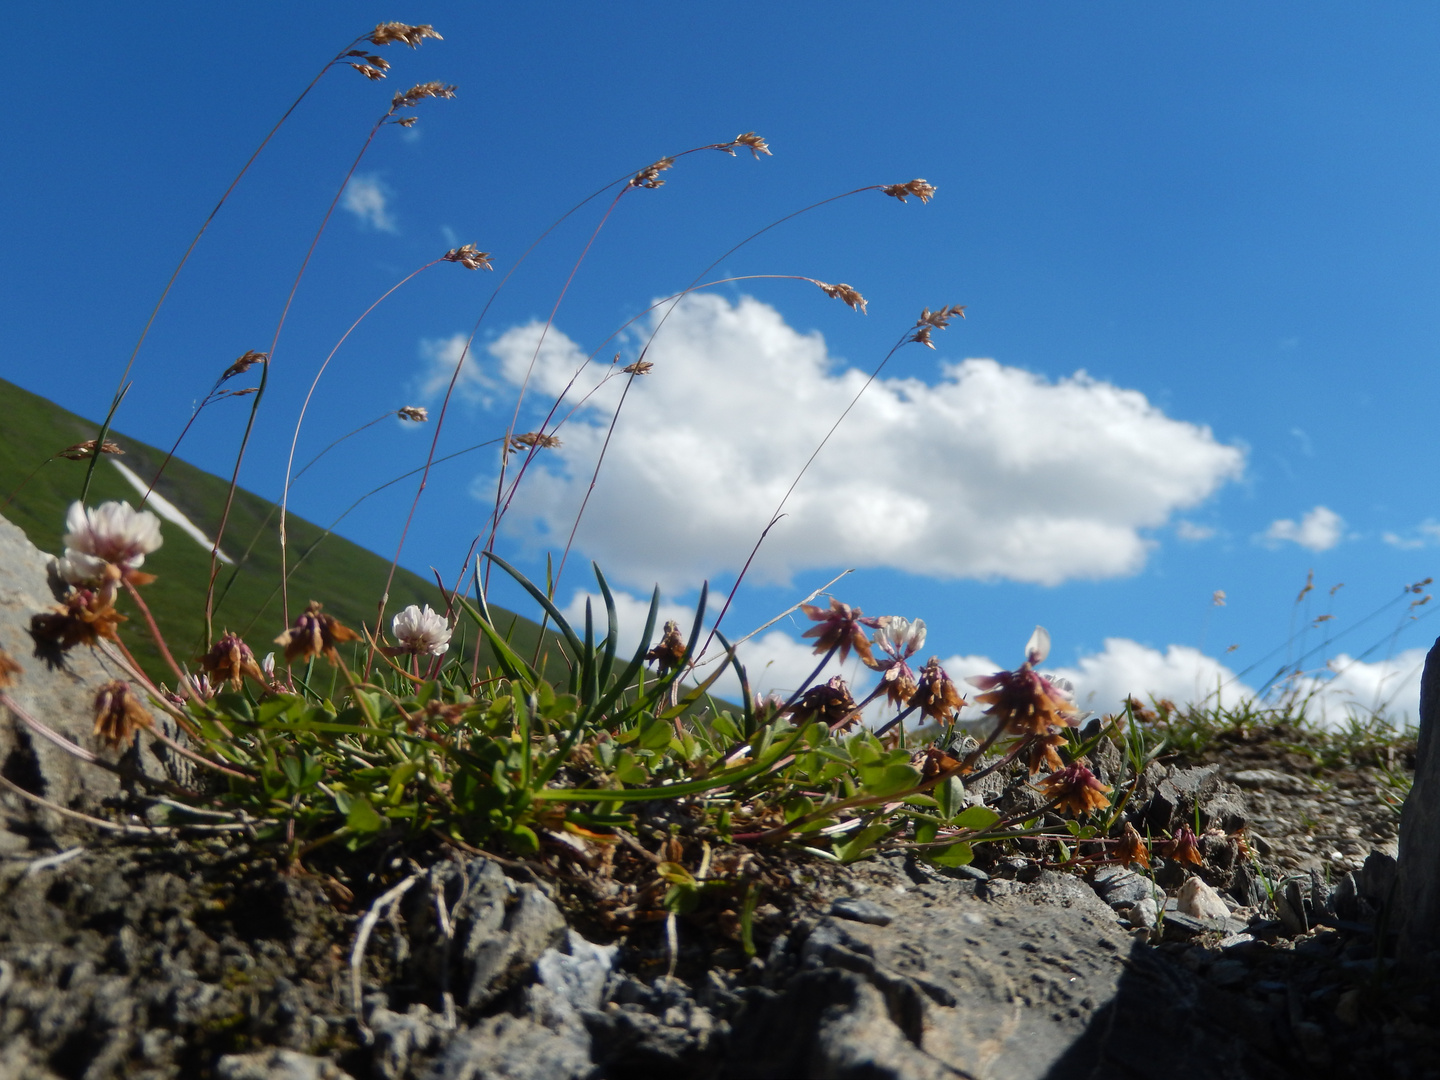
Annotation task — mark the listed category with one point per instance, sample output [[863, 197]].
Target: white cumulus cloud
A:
[[367, 198], [438, 358], [1319, 530], [989, 472]]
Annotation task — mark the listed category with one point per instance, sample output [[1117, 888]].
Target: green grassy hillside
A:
[[345, 577]]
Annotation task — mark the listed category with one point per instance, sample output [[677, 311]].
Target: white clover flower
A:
[[421, 632], [112, 534], [900, 637]]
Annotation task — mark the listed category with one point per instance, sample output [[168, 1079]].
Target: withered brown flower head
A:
[[534, 438], [119, 714], [419, 92], [843, 292], [830, 703], [669, 653], [1130, 848], [230, 660], [1076, 789], [934, 320], [1042, 753], [649, 177], [9, 670], [1028, 702], [937, 695], [83, 618], [416, 413], [85, 450], [639, 367], [374, 67], [919, 188], [388, 33], [842, 628], [470, 257], [248, 360], [314, 633], [1184, 847], [937, 763]]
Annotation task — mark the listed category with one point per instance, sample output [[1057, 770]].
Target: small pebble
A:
[[862, 911], [1200, 900]]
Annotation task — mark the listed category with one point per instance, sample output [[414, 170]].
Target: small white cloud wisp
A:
[[1319, 530], [368, 199], [988, 472]]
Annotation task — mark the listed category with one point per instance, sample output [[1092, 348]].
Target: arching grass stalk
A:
[[407, 100], [373, 68], [467, 256], [919, 334], [454, 380]]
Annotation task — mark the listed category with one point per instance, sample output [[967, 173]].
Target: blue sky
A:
[[1197, 246]]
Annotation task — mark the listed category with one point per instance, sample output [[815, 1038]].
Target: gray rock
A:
[[509, 1047], [865, 911], [1177, 796], [58, 690], [501, 928], [1119, 887], [1419, 870], [1272, 780], [277, 1065], [1039, 982]]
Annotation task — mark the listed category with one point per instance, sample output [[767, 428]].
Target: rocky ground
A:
[[200, 958]]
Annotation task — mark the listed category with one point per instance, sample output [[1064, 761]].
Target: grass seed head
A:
[[919, 188], [845, 293], [244, 364], [470, 257], [387, 33], [649, 177], [86, 450], [417, 414], [418, 93]]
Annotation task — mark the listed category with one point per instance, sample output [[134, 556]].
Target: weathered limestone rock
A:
[[58, 691], [1418, 889]]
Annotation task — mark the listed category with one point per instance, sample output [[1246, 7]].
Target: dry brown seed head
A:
[[649, 177], [389, 32], [119, 714], [753, 142], [244, 364], [230, 661], [9, 670], [670, 650], [374, 74], [417, 413], [86, 450], [419, 92], [639, 367], [533, 438], [314, 633], [470, 257], [407, 121], [844, 292], [919, 188]]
